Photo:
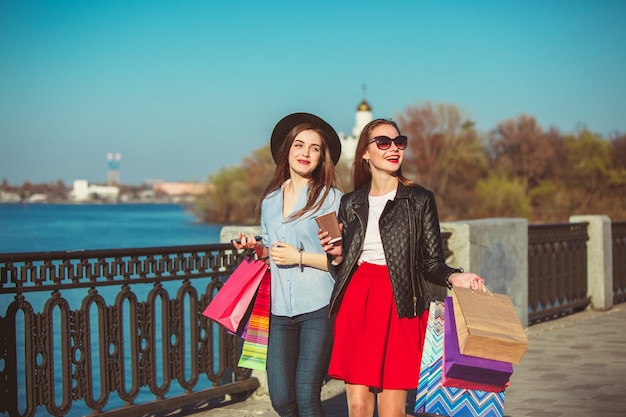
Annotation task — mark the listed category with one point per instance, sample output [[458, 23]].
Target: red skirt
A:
[[372, 346]]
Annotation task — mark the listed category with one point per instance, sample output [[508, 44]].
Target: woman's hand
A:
[[249, 242], [467, 280], [333, 249], [284, 254]]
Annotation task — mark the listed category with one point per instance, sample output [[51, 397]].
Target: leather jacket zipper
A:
[[413, 264], [345, 282]]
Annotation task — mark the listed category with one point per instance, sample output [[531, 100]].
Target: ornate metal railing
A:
[[557, 270], [618, 236], [116, 332], [121, 332]]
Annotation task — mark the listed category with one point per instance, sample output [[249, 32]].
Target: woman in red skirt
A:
[[391, 248]]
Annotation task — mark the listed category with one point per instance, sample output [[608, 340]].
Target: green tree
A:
[[516, 170], [233, 193], [589, 160], [550, 202], [222, 202], [259, 169], [498, 196], [618, 151]]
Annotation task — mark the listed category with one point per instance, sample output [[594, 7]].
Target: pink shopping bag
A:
[[231, 302]]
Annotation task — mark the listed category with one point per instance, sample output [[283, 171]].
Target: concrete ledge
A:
[[230, 232], [497, 250]]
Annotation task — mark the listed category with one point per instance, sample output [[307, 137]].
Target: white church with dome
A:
[[349, 142]]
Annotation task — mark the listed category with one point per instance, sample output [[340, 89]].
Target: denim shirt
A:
[[296, 291]]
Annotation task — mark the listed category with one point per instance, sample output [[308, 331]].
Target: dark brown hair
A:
[[324, 176], [361, 173]]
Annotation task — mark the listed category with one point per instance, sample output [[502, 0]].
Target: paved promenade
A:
[[574, 367]]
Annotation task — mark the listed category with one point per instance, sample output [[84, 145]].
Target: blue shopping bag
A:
[[435, 398]]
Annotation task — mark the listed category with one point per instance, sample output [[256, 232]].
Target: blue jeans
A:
[[298, 353]]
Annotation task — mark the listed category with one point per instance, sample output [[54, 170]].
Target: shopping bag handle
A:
[[485, 289], [247, 253]]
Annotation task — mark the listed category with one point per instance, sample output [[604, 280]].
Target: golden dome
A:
[[364, 106]]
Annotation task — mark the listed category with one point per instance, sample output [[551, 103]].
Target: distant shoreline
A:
[[98, 203]]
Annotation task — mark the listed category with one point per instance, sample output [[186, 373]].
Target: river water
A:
[[61, 227], [51, 227]]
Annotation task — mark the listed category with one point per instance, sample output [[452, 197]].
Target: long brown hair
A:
[[361, 173], [324, 176]]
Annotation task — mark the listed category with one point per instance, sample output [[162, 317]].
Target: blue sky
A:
[[184, 88]]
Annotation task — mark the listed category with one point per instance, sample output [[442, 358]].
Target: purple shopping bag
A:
[[433, 396], [470, 368]]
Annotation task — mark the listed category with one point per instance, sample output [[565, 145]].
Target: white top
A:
[[373, 252]]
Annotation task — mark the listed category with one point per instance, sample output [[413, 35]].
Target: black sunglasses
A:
[[384, 142]]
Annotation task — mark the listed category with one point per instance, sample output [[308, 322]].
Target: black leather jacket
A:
[[409, 229]]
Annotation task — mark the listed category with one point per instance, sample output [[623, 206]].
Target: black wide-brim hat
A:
[[284, 126]]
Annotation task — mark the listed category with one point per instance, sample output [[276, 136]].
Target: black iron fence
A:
[[618, 236], [121, 332], [557, 270], [112, 331]]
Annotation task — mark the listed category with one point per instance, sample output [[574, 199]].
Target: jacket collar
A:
[[360, 195]]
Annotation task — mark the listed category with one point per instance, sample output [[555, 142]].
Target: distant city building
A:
[[83, 191], [173, 189], [9, 197], [113, 173], [37, 198]]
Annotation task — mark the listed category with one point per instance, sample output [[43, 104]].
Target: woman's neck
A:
[[296, 183], [291, 192], [383, 185]]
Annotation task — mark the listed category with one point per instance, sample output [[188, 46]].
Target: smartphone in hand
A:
[[238, 241]]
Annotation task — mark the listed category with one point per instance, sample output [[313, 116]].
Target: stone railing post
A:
[[599, 260], [497, 250]]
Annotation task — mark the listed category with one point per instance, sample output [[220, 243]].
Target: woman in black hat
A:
[[304, 186], [391, 247]]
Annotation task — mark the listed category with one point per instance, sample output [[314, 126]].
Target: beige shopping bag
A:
[[487, 326]]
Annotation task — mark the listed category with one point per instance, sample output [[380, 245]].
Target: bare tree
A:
[[515, 170], [444, 154], [520, 149]]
